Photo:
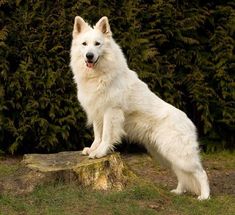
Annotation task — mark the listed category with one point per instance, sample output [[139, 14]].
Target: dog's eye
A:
[[84, 43], [97, 43]]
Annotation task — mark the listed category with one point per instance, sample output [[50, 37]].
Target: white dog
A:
[[118, 104]]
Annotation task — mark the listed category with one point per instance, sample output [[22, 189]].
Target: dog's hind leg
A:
[[180, 186], [113, 123], [201, 176], [192, 177]]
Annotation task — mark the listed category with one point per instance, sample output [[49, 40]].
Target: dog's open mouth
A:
[[90, 64]]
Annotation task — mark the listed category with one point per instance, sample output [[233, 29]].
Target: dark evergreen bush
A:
[[184, 50]]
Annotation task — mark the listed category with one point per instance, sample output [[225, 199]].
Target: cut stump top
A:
[[60, 161]]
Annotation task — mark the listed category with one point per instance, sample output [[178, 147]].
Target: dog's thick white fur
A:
[[118, 104]]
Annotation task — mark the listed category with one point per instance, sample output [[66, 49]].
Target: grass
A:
[[221, 160], [140, 197], [6, 169]]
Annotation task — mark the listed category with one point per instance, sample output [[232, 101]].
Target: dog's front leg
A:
[[97, 128], [113, 122]]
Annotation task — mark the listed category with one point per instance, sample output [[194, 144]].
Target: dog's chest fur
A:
[[95, 95]]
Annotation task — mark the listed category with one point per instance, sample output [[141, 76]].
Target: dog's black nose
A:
[[89, 55]]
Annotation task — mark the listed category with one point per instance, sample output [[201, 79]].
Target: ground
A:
[[219, 167], [147, 194]]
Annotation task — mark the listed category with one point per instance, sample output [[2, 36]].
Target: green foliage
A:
[[40, 109], [183, 50]]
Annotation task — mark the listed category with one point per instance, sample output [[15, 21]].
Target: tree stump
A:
[[70, 167]]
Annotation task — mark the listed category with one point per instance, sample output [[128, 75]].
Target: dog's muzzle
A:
[[90, 63]]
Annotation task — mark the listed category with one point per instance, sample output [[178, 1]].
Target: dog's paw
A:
[[97, 154], [85, 151], [201, 198], [177, 191], [94, 155]]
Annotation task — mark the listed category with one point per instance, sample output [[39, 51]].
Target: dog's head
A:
[[91, 42]]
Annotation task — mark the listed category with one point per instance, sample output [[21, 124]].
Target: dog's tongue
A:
[[90, 65]]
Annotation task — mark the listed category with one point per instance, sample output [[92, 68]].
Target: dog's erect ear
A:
[[103, 26], [79, 25]]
